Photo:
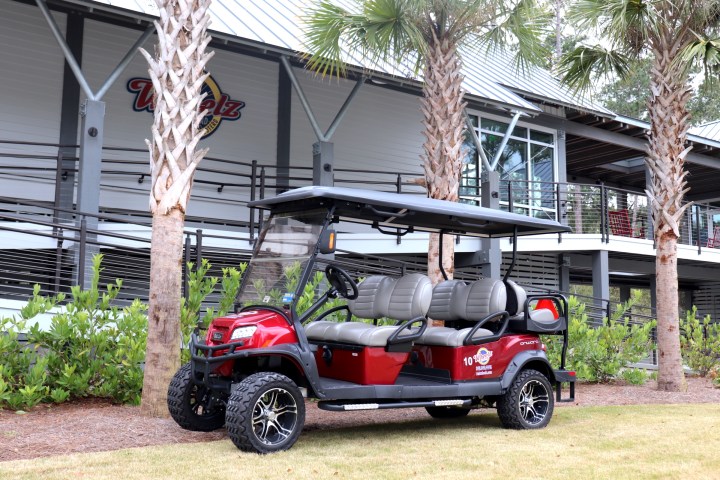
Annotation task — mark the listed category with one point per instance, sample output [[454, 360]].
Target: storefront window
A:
[[526, 166]]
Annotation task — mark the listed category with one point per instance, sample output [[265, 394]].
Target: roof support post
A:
[[476, 140], [303, 99], [601, 277], [120, 68], [69, 57], [323, 151], [490, 247], [505, 140], [89, 170]]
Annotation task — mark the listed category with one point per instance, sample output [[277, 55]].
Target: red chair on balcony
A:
[[620, 224], [714, 241]]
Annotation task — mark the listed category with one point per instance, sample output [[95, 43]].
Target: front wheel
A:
[[265, 413], [193, 406], [528, 403]]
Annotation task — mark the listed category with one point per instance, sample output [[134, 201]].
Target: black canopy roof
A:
[[404, 211]]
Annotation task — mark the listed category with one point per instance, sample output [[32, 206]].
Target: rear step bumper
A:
[[561, 377], [335, 406]]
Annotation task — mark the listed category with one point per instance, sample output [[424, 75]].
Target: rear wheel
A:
[[193, 406], [447, 412], [528, 403], [265, 413]]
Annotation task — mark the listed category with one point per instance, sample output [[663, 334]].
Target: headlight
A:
[[243, 332]]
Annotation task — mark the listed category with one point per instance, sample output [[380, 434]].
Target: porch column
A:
[[600, 276], [490, 247], [564, 272]]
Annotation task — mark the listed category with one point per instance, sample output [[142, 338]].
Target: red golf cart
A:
[[355, 334]]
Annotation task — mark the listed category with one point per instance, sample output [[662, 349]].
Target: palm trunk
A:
[[177, 75], [162, 357], [669, 122], [442, 106]]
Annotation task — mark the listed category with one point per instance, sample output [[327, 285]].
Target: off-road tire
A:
[[187, 409], [528, 403], [265, 401], [447, 412]]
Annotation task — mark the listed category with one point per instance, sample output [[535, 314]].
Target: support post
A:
[[88, 188], [564, 267], [600, 276], [490, 198], [323, 160]]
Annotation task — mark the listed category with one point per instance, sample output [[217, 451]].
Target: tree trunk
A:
[[162, 357], [670, 369], [177, 73], [669, 122], [442, 107]]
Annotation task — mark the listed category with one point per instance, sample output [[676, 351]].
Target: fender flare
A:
[[518, 363]]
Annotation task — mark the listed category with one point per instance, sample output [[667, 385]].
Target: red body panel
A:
[[369, 366], [474, 362], [272, 329]]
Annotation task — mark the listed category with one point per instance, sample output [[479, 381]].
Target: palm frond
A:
[[703, 52], [520, 25], [580, 67], [382, 30], [625, 24]]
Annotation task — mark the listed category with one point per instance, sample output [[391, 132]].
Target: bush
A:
[[601, 353], [634, 376], [90, 349], [700, 343], [200, 286]]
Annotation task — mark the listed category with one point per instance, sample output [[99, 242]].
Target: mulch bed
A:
[[93, 425]]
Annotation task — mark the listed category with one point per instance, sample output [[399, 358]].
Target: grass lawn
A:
[[633, 442]]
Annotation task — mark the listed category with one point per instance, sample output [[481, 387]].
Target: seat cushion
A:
[[320, 330], [449, 337], [410, 297], [373, 297], [364, 334]]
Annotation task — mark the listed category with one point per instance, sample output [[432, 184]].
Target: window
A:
[[526, 166]]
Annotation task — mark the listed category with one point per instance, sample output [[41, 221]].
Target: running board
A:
[[348, 407]]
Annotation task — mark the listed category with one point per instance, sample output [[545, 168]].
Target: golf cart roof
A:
[[407, 211]]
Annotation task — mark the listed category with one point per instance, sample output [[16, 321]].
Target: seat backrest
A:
[[410, 297], [373, 297], [456, 300], [516, 297], [403, 298]]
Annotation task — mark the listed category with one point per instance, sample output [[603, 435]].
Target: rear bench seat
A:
[[454, 300], [403, 299]]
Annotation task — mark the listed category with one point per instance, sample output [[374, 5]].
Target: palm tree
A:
[[177, 72], [431, 32], [673, 33]]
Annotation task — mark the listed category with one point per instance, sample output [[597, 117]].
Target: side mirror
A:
[[327, 241]]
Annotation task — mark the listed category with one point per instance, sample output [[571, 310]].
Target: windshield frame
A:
[[309, 263]]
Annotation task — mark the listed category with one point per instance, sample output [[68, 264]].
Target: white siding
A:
[[31, 63], [252, 137]]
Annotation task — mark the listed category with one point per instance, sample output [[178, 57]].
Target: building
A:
[[73, 160]]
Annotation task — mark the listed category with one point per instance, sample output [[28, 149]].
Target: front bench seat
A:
[[454, 300], [403, 299]]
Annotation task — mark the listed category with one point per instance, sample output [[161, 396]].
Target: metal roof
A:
[[709, 130], [489, 76], [396, 210]]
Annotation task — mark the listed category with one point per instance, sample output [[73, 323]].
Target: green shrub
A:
[[634, 376], [600, 353], [94, 348], [23, 377], [200, 287], [700, 343]]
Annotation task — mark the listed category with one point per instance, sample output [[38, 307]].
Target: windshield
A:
[[286, 244]]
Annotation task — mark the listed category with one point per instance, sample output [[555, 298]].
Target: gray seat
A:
[[454, 300], [403, 299]]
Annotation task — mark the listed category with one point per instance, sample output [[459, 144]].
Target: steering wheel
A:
[[340, 280]]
